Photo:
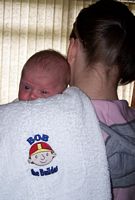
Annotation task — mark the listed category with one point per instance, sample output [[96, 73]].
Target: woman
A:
[[102, 56]]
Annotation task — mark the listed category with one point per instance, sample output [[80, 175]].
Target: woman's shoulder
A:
[[113, 112]]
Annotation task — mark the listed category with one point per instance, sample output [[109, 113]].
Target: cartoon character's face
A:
[[42, 158]]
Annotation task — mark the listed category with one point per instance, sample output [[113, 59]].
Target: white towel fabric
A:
[[52, 149]]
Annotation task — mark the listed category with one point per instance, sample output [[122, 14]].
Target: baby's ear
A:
[[71, 54]]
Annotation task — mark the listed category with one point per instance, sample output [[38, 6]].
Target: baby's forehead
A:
[[47, 64], [43, 66]]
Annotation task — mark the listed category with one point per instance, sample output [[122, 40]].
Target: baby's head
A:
[[45, 74]]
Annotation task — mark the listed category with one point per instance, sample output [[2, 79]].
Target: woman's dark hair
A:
[[107, 32]]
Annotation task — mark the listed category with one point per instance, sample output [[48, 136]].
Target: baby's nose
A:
[[34, 95]]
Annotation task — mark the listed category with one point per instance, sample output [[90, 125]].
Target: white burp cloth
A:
[[67, 123]]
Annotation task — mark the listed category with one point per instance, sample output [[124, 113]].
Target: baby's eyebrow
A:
[[25, 82]]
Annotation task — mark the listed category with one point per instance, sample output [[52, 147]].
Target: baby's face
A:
[[38, 84]]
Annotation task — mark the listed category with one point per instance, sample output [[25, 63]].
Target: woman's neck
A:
[[101, 92], [98, 84]]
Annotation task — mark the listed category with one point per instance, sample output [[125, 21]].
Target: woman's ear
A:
[[71, 53]]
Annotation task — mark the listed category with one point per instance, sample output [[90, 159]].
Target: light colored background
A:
[[28, 26]]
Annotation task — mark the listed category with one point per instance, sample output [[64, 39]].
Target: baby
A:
[[45, 74]]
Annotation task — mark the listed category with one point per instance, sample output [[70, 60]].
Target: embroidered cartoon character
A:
[[41, 154]]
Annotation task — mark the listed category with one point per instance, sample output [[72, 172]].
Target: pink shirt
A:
[[120, 118]]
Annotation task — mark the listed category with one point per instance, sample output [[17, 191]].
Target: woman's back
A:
[[117, 121]]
